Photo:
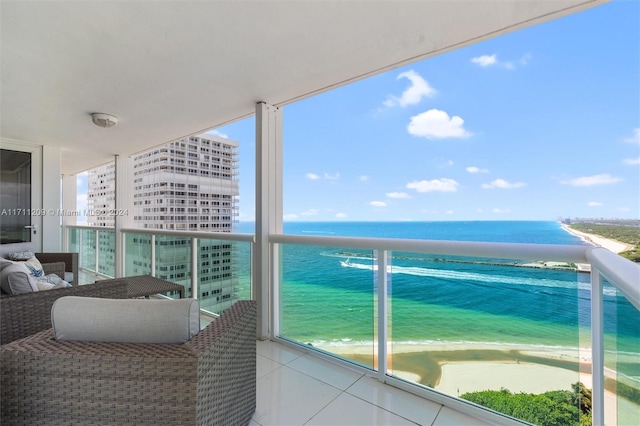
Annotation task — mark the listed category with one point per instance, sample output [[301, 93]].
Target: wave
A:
[[318, 232], [483, 278], [346, 341]]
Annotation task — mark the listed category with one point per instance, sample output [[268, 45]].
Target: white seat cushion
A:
[[125, 320]]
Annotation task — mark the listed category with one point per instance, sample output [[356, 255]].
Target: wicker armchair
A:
[[22, 315], [70, 261], [52, 263], [209, 380]]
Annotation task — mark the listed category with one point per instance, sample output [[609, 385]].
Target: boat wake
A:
[[473, 276]]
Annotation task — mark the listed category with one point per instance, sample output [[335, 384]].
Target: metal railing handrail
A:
[[226, 236], [621, 273], [92, 228], [557, 252]]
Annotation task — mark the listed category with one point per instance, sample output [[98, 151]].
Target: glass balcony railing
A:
[[476, 321], [442, 319], [216, 271], [95, 247]]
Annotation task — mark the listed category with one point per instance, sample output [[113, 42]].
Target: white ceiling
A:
[[168, 69]]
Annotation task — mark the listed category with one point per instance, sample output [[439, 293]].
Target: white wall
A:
[[51, 199]]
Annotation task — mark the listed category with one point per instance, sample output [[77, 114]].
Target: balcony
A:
[[379, 339], [59, 77]]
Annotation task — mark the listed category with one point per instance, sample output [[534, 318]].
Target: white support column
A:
[[50, 229], [597, 348], [69, 207], [121, 203], [266, 274]]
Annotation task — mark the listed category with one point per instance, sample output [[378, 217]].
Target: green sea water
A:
[[324, 303]]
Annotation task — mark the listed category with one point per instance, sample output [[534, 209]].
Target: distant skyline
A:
[[537, 124]]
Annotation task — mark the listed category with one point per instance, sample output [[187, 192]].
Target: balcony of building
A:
[[599, 308], [170, 71]]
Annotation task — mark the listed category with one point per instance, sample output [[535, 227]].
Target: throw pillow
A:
[[54, 280], [4, 262], [94, 319], [16, 279], [43, 285], [34, 266], [20, 255], [29, 259]]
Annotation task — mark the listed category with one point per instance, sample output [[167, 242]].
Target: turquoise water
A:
[[325, 303]]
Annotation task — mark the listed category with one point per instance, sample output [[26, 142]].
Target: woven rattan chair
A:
[[52, 263], [209, 380], [22, 315]]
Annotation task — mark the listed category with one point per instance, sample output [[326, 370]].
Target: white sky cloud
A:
[[436, 124], [398, 195], [484, 60], [635, 138], [594, 204], [332, 177], [501, 211], [290, 216], [419, 88], [218, 133], [435, 185], [341, 215], [310, 212], [378, 204], [327, 176], [364, 178], [632, 161], [502, 184], [474, 169], [492, 60], [601, 179], [449, 212]]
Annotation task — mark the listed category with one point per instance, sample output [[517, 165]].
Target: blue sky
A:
[[534, 125]]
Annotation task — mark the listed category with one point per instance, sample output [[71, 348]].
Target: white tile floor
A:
[[296, 388]]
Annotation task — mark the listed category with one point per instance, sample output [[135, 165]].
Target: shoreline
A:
[[598, 241], [461, 368]]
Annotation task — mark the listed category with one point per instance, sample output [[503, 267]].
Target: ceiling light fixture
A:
[[104, 120]]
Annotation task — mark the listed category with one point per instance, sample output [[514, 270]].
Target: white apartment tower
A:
[[187, 185]]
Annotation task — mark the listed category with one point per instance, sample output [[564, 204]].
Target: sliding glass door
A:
[[20, 196]]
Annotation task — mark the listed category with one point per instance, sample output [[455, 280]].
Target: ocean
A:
[[445, 300]]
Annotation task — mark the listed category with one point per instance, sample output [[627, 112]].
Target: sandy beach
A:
[[596, 240], [456, 369]]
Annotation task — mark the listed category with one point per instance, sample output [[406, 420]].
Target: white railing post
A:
[[97, 234], [597, 348], [153, 255], [80, 248], [194, 268], [382, 314]]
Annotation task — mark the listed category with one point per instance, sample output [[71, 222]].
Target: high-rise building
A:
[[187, 185]]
